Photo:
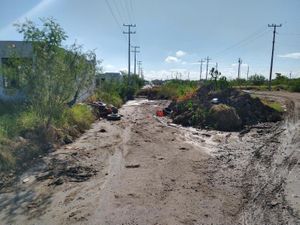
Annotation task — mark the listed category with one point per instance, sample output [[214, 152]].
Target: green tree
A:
[[257, 79], [215, 74], [56, 76]]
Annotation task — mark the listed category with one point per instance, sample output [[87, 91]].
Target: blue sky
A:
[[173, 34]]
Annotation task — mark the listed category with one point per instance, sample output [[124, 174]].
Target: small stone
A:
[[25, 180]]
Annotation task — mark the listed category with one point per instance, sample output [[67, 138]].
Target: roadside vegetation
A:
[[260, 83], [171, 89], [215, 104], [50, 115]]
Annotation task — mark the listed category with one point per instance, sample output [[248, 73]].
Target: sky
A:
[[173, 35]]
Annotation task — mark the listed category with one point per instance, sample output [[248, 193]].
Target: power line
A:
[[248, 39], [128, 10], [119, 11], [113, 14], [272, 55]]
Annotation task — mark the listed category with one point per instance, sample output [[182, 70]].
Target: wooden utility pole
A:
[[207, 61], [272, 55], [129, 45], [135, 51], [201, 63]]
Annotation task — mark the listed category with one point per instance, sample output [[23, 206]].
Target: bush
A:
[[294, 85], [257, 79], [80, 115], [109, 98], [29, 120]]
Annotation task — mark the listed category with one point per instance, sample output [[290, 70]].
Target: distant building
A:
[[9, 87], [108, 76]]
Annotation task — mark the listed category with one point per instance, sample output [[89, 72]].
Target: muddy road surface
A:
[[145, 170]]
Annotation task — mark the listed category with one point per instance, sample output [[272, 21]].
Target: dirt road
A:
[[144, 170]]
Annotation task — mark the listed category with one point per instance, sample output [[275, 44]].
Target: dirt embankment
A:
[[146, 170]]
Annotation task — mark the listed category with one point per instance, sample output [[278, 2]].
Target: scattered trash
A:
[[215, 101], [167, 111], [159, 113], [102, 110], [113, 117]]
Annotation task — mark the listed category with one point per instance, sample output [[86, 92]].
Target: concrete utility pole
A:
[[129, 45], [272, 56], [201, 63], [135, 51], [247, 72], [216, 66], [139, 67], [239, 68], [207, 61], [142, 73]]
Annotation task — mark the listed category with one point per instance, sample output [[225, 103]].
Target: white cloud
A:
[[172, 59], [294, 55], [109, 67], [180, 54], [176, 58]]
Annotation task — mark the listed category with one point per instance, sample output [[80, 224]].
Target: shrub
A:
[[295, 85], [80, 115]]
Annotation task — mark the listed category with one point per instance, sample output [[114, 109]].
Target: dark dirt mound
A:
[[224, 117], [238, 110]]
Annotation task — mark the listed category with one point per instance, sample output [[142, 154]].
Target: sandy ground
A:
[[146, 171]]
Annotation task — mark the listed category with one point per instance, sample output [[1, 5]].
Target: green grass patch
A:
[[273, 104], [108, 97], [80, 115]]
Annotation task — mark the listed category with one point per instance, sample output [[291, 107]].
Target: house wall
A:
[[7, 48], [25, 50]]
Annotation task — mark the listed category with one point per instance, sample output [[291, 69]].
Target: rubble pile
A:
[[226, 110]]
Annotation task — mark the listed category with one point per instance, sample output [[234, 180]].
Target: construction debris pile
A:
[[103, 110], [226, 110]]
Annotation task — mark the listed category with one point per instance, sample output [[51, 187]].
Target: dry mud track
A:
[[145, 170]]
